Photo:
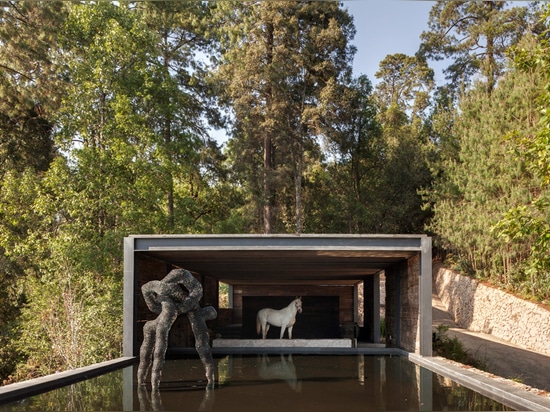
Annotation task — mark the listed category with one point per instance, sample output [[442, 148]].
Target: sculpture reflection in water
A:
[[168, 299], [154, 402]]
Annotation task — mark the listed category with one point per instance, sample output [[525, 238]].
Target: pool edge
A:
[[499, 390], [18, 390]]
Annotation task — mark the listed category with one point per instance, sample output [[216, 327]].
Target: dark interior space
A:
[[318, 320]]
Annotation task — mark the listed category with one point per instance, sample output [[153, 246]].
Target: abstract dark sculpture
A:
[[168, 299]]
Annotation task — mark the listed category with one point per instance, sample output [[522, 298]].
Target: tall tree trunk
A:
[[170, 195], [268, 144], [268, 197], [298, 188], [490, 63], [170, 205], [167, 140]]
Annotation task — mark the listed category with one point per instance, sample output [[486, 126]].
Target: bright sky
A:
[[387, 27]]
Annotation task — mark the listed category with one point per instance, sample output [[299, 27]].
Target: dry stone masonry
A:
[[482, 308]]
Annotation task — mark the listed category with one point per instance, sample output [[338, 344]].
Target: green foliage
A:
[[62, 234], [277, 59], [475, 35], [405, 82], [337, 196], [17, 191], [483, 178], [29, 82], [11, 298], [82, 326], [452, 348], [402, 96], [103, 392], [489, 199], [529, 221], [405, 175], [377, 161], [72, 286], [29, 34], [383, 328]]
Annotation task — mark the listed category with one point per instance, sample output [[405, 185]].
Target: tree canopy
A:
[[475, 35]]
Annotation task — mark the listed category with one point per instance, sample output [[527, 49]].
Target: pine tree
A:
[[475, 36], [30, 82], [278, 57], [527, 221], [482, 179]]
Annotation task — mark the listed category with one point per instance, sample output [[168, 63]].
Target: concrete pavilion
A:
[[322, 266], [337, 275]]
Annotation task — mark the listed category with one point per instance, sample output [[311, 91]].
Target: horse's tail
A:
[[258, 324]]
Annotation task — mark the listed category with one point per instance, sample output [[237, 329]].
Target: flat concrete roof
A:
[[276, 259]]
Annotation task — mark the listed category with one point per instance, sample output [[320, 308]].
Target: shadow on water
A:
[[270, 383]]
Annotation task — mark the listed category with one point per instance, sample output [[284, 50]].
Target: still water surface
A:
[[263, 383]]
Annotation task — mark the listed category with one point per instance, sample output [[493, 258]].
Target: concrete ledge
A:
[[499, 390], [46, 383], [374, 350], [283, 343]]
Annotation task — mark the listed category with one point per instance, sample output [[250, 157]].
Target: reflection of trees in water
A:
[[102, 392], [449, 394], [225, 366]]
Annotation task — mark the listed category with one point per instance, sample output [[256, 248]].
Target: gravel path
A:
[[500, 357]]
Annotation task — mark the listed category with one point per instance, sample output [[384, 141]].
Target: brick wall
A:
[[402, 305]]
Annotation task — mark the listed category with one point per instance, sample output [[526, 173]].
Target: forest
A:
[[107, 113]]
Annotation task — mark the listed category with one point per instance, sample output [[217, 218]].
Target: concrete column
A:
[[128, 374], [230, 296], [393, 307], [425, 389], [410, 313], [425, 297], [129, 345], [371, 296], [376, 308]]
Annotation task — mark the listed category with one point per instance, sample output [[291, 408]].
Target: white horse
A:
[[284, 318]]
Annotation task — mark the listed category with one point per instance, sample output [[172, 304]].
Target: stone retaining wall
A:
[[481, 308]]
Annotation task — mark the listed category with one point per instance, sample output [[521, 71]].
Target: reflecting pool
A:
[[266, 383]]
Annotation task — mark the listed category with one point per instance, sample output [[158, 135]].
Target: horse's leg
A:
[[290, 332], [283, 327], [265, 329]]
